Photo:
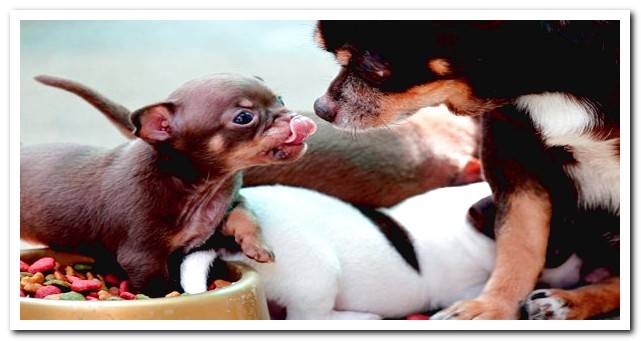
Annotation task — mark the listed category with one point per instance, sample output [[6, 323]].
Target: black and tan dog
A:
[[548, 92]]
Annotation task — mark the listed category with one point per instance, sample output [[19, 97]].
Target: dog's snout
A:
[[324, 110]]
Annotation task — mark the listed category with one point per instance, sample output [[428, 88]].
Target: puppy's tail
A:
[[116, 113]]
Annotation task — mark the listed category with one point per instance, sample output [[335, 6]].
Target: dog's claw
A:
[[544, 305]]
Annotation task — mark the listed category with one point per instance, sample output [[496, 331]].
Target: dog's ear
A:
[[154, 123]]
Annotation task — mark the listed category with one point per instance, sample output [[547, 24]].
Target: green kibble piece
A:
[[25, 274], [72, 296], [142, 297], [114, 298], [58, 283], [82, 267]]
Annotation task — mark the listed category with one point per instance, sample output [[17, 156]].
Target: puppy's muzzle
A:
[[325, 109]]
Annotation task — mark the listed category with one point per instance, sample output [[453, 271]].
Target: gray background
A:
[[140, 62]]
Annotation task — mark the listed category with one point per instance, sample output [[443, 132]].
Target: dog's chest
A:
[[564, 121]]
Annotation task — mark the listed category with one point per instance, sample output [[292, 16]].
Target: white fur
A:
[[330, 259], [563, 120], [565, 275]]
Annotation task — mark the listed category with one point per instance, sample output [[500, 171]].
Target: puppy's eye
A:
[[243, 117], [279, 99]]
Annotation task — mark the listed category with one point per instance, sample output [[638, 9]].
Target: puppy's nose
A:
[[324, 110]]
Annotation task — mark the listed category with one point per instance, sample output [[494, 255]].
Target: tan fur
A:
[[440, 66], [590, 300], [343, 56], [456, 94], [217, 144], [241, 224], [521, 242]]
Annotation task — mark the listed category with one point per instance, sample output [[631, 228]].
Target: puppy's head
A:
[[385, 77], [225, 121]]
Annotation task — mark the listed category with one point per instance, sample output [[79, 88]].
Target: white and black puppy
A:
[[336, 261]]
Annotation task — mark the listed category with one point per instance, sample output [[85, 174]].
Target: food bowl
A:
[[243, 300]]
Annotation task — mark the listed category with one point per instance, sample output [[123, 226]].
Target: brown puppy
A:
[[429, 150], [170, 188], [549, 95]]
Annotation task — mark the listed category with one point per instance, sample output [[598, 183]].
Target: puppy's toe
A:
[[479, 309], [543, 304], [258, 252]]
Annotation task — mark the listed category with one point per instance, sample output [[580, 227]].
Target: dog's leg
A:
[[147, 269], [521, 238], [578, 304], [242, 224]]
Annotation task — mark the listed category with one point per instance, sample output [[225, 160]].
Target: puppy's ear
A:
[[154, 123]]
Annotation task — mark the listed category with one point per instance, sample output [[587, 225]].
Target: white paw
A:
[[353, 315], [543, 305]]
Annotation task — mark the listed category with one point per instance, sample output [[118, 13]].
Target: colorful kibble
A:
[[76, 283], [127, 295], [47, 290], [42, 265], [418, 317], [86, 285], [72, 296]]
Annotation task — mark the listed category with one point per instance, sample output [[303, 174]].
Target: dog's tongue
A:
[[302, 127]]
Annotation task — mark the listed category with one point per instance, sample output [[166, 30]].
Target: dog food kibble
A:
[[72, 296], [42, 265], [418, 317], [47, 279], [47, 290]]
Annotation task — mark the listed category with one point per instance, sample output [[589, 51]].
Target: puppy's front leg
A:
[[242, 224], [522, 230], [578, 304]]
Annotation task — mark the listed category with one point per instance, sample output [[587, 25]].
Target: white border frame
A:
[[14, 204]]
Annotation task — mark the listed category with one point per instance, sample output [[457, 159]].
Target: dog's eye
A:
[[279, 99], [243, 117]]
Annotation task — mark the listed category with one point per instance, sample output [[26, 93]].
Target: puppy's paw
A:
[[546, 304], [257, 251], [478, 309]]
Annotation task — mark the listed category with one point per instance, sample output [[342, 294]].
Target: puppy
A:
[[548, 93], [169, 189], [431, 149], [337, 261]]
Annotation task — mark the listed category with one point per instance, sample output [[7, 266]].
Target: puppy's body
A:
[[169, 189], [334, 262], [549, 95], [431, 149]]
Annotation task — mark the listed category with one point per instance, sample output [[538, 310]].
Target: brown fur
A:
[[166, 191], [432, 149]]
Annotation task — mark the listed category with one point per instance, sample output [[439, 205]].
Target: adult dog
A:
[[548, 92]]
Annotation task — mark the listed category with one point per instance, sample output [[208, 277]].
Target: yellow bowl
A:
[[243, 300]]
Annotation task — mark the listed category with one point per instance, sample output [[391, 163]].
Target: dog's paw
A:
[[257, 251], [546, 304], [478, 309]]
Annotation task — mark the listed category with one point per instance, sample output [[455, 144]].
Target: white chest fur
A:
[[565, 121]]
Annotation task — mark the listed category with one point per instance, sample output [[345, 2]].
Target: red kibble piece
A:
[[127, 295], [42, 265], [92, 294], [83, 285], [22, 294], [73, 278], [112, 279], [91, 298], [47, 290], [211, 286], [418, 317], [124, 286], [24, 267]]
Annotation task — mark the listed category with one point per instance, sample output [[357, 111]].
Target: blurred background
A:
[[139, 62]]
